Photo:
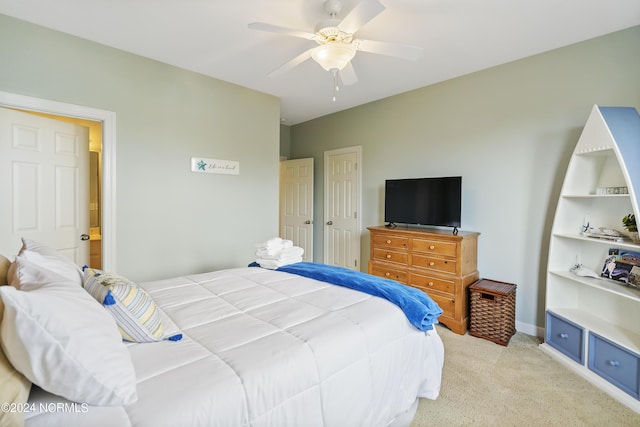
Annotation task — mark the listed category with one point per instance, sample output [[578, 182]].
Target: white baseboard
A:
[[529, 329]]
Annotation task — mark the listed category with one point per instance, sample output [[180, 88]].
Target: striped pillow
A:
[[135, 312]]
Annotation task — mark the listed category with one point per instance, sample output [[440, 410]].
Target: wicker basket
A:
[[493, 310]]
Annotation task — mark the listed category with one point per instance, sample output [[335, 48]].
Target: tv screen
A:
[[424, 201]]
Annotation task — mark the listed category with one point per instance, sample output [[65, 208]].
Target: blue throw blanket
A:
[[419, 308]]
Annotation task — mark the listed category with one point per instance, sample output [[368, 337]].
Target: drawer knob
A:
[[613, 363], [431, 263], [564, 336], [432, 247], [388, 242], [387, 274], [430, 283], [388, 256]]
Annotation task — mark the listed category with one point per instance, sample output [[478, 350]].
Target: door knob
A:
[[329, 222], [84, 237], [307, 222]]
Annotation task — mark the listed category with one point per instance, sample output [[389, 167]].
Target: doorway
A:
[[95, 181], [342, 206], [44, 171], [296, 204], [107, 121]]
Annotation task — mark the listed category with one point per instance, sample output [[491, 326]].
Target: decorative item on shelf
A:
[[607, 234], [580, 270], [586, 228], [629, 222], [623, 266], [586, 231], [602, 191]]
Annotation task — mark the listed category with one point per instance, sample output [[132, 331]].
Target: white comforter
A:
[[267, 348]]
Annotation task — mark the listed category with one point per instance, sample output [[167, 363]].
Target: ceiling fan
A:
[[336, 43]]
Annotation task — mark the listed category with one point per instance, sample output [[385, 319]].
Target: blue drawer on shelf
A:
[[615, 364], [565, 336]]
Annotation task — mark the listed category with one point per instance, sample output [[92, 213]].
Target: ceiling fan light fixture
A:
[[334, 55]]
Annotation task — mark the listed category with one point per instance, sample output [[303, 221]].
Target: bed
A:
[[247, 347]]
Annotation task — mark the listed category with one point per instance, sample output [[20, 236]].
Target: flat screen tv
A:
[[424, 201]]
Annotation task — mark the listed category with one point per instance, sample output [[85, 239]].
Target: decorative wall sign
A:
[[226, 167]]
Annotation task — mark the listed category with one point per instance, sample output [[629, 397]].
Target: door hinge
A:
[[355, 262], [355, 215]]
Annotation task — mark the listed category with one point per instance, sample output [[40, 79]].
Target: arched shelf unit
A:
[[593, 324]]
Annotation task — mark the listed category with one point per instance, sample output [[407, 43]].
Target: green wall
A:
[[169, 221], [285, 141], [509, 131]]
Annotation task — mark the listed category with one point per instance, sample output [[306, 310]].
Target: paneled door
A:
[[342, 178], [44, 175], [296, 204]]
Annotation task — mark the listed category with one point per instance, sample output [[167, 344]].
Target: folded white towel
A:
[[274, 242], [268, 252], [272, 264], [277, 252], [292, 252]]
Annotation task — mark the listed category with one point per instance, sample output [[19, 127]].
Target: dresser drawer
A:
[[391, 241], [434, 247], [388, 273], [615, 364], [433, 263], [391, 256], [428, 283], [565, 336]]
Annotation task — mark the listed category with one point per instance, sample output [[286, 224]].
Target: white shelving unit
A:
[[593, 324]]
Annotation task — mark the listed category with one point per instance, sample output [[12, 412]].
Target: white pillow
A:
[[30, 270], [42, 248], [61, 339], [45, 258]]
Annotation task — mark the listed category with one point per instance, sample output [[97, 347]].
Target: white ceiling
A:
[[211, 37]]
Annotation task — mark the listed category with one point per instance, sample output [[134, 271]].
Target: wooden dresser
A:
[[441, 264]]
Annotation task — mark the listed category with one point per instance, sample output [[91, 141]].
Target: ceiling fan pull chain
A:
[[334, 73]]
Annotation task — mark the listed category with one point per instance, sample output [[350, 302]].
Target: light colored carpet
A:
[[486, 384]]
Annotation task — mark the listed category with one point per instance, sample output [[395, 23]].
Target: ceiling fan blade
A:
[[282, 30], [291, 64], [364, 12], [348, 75], [403, 51]]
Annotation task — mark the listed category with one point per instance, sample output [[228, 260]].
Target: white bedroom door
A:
[[296, 204], [44, 175], [342, 178]]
